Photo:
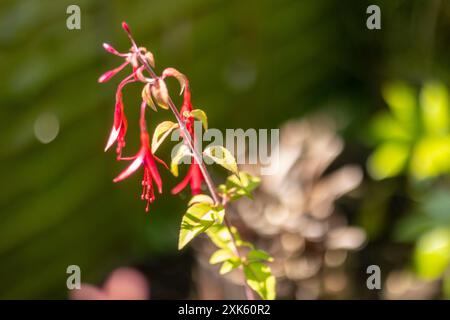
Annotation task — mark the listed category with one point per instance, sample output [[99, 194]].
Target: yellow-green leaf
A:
[[388, 160], [181, 152], [259, 277], [197, 219], [223, 157], [229, 265], [259, 255], [432, 253], [430, 157], [435, 109], [221, 255], [401, 98], [200, 115], [198, 198], [162, 131]]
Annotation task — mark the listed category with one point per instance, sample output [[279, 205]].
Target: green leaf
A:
[[430, 157], [259, 277], [259, 255], [181, 152], [198, 218], [435, 109], [229, 265], [240, 185], [384, 127], [198, 198], [401, 98], [388, 160], [162, 131], [432, 253], [223, 157], [200, 115], [221, 237], [221, 255]]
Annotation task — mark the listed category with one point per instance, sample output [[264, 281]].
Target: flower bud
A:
[[110, 49]]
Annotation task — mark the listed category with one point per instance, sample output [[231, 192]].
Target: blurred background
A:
[[364, 112]]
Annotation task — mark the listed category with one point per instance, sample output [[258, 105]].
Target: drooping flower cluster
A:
[[154, 94]]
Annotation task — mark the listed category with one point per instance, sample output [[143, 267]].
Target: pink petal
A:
[[111, 73], [130, 170], [112, 137]]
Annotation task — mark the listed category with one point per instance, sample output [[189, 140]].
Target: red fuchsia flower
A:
[[146, 159], [120, 125], [194, 176]]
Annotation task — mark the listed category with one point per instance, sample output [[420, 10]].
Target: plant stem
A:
[[198, 158]]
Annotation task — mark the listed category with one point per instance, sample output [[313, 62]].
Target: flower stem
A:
[[198, 158]]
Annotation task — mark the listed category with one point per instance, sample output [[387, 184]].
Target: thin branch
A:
[[198, 158]]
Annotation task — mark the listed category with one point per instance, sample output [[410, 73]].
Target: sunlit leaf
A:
[[181, 152], [221, 255], [259, 255], [385, 127], [229, 265], [432, 253], [435, 109], [431, 157], [198, 198], [162, 131], [401, 98], [240, 185], [259, 277], [197, 219], [222, 156], [201, 116], [388, 160]]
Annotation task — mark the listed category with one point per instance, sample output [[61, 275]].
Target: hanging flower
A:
[[194, 176], [146, 159]]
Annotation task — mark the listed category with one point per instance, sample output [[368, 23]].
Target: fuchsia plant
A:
[[205, 214]]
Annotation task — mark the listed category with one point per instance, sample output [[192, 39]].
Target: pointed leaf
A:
[[162, 131], [259, 255], [434, 103], [221, 255], [181, 152], [201, 198], [201, 116], [229, 265], [259, 277], [223, 157]]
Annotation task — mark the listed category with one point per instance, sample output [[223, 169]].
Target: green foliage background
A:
[[252, 64]]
